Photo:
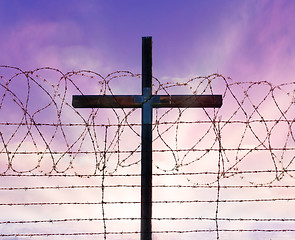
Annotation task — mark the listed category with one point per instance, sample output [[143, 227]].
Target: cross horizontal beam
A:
[[156, 101]]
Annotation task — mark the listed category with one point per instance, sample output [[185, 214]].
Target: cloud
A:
[[54, 44], [265, 49]]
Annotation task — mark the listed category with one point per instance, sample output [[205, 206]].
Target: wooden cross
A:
[[147, 102]]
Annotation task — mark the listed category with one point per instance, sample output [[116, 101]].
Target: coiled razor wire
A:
[[247, 144]]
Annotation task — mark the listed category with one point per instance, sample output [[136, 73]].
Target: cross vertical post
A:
[[146, 141]]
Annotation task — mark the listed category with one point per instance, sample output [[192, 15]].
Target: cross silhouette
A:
[[147, 102]]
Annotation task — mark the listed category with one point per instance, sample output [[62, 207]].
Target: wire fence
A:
[[223, 173]]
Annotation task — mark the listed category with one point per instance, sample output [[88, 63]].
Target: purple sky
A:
[[246, 40]]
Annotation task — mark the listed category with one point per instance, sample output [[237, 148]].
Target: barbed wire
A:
[[136, 232], [138, 186], [248, 144], [154, 219], [154, 202], [155, 174]]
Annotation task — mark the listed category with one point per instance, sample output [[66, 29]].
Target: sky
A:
[[247, 41]]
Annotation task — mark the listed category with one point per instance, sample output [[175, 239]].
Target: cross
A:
[[146, 102]]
